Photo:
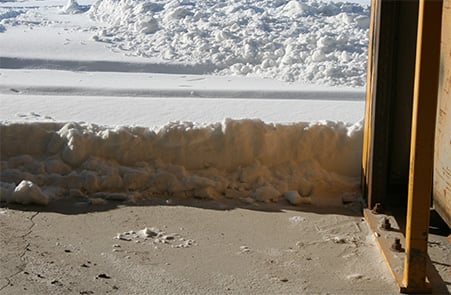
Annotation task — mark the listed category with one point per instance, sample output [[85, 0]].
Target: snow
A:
[[235, 158], [307, 41], [127, 100], [26, 192], [289, 40]]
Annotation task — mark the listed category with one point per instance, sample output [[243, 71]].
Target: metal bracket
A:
[[394, 255]]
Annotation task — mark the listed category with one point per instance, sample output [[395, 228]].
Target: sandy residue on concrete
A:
[[233, 250]]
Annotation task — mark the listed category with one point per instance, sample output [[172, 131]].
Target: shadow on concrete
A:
[[71, 206]]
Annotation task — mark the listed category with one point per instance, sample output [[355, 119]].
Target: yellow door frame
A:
[[409, 265], [422, 144]]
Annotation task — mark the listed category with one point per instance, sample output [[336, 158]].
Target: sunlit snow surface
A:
[[304, 41], [130, 99], [309, 41]]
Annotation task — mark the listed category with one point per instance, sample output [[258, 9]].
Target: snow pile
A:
[[8, 16], [22, 16], [310, 41], [247, 160], [72, 7], [26, 192]]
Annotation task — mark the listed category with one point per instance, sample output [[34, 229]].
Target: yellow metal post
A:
[[422, 145], [370, 89]]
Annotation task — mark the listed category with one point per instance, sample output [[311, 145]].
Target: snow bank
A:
[[310, 41], [245, 159]]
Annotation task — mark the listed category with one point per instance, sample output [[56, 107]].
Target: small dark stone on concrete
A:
[[56, 282]]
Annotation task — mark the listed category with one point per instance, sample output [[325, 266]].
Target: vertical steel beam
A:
[[383, 47], [422, 145], [389, 96]]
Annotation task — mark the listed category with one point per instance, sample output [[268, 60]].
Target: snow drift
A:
[[297, 41], [246, 159], [310, 41]]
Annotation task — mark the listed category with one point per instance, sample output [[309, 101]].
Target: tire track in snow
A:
[[104, 66], [182, 93]]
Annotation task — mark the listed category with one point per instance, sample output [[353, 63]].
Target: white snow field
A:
[[247, 100]]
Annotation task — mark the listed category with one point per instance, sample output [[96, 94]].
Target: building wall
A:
[[442, 156]]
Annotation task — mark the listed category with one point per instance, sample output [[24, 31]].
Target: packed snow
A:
[[246, 159], [309, 41], [303, 41], [128, 100]]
